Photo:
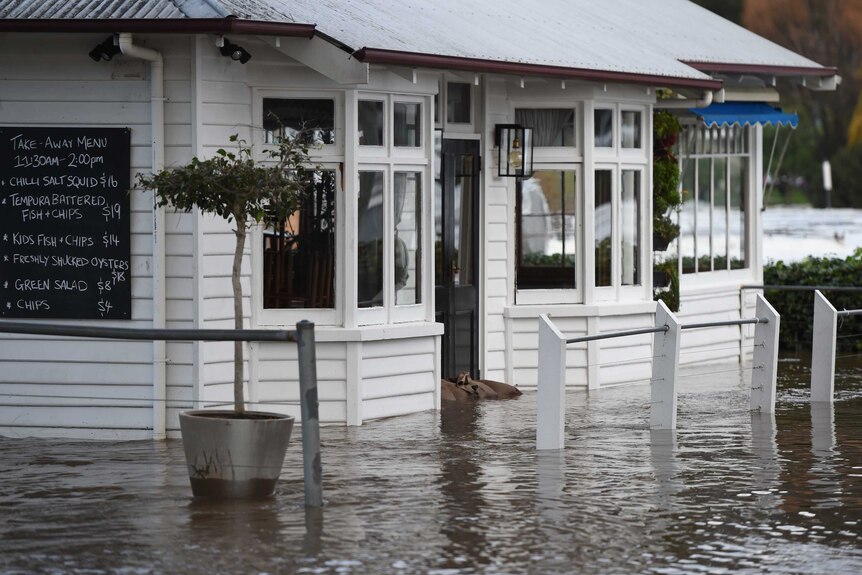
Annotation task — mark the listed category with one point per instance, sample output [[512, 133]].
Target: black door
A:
[[456, 255]]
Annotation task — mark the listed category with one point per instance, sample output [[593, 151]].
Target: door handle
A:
[[455, 268]]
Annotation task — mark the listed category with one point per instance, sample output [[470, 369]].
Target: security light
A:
[[234, 52], [105, 51]]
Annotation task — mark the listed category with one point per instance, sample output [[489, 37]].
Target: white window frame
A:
[[573, 295], [616, 291], [399, 159], [408, 153], [443, 119], [376, 314], [696, 277], [318, 155], [329, 157], [289, 316], [611, 151], [632, 154], [366, 151], [556, 154]]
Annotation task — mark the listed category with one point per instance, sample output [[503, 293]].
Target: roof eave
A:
[[230, 25], [762, 69], [419, 60]]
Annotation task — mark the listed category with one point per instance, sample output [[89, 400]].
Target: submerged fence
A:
[[550, 398], [303, 336], [823, 344]]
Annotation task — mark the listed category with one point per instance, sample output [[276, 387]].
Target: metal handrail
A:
[[754, 320], [146, 334], [611, 334], [303, 336], [846, 312], [801, 288]]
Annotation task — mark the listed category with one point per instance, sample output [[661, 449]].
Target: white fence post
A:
[[665, 370], [765, 369], [823, 349], [551, 387]]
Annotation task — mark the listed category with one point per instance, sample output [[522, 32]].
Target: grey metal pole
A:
[[311, 466]]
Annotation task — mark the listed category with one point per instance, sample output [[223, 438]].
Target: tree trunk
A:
[[236, 275]]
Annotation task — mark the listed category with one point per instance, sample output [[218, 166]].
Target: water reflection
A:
[[461, 488], [464, 492]]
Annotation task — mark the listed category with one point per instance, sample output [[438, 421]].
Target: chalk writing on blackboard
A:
[[65, 223]]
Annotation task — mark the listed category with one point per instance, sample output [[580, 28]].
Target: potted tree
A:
[[236, 453]]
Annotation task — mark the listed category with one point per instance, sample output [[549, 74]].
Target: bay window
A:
[[715, 190], [390, 209], [299, 255]]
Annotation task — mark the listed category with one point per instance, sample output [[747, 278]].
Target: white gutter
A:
[[157, 145], [708, 98]]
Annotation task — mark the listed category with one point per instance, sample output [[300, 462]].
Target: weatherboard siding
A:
[[98, 388]]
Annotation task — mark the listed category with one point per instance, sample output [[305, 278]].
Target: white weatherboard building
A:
[[414, 258]]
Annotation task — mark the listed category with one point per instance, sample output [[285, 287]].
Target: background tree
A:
[[830, 33]]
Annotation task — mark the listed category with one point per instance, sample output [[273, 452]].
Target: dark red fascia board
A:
[[229, 25], [762, 69], [397, 58]]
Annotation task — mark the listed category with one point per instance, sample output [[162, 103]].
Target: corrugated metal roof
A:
[[113, 9], [635, 36], [643, 37]]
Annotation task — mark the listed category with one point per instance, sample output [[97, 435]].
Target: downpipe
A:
[[157, 145]]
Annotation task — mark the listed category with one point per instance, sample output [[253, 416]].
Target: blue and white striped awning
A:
[[744, 114]]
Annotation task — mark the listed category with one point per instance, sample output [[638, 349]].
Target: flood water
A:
[[791, 233], [464, 491]]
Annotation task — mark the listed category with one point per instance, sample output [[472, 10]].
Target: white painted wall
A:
[[364, 373], [510, 328], [48, 80]]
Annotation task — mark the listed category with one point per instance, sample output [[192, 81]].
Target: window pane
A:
[[630, 129], [547, 227], [408, 118], [719, 214], [687, 217], [458, 105], [736, 235], [604, 128], [604, 227], [703, 220], [370, 238], [408, 238], [299, 254], [630, 232], [370, 123], [313, 118], [551, 127]]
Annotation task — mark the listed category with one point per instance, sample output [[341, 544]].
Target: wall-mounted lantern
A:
[[514, 151]]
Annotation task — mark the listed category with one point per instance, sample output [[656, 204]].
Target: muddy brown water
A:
[[464, 491]]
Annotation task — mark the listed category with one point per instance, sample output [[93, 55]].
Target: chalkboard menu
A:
[[64, 223]]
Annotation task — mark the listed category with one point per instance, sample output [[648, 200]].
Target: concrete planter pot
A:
[[231, 456]]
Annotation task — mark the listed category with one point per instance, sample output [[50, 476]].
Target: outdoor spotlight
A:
[[234, 52], [105, 51]]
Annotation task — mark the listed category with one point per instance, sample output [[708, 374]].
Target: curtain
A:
[[547, 124]]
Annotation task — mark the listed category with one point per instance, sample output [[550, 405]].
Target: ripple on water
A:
[[464, 491]]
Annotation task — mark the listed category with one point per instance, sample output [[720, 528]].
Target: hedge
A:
[[797, 307]]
